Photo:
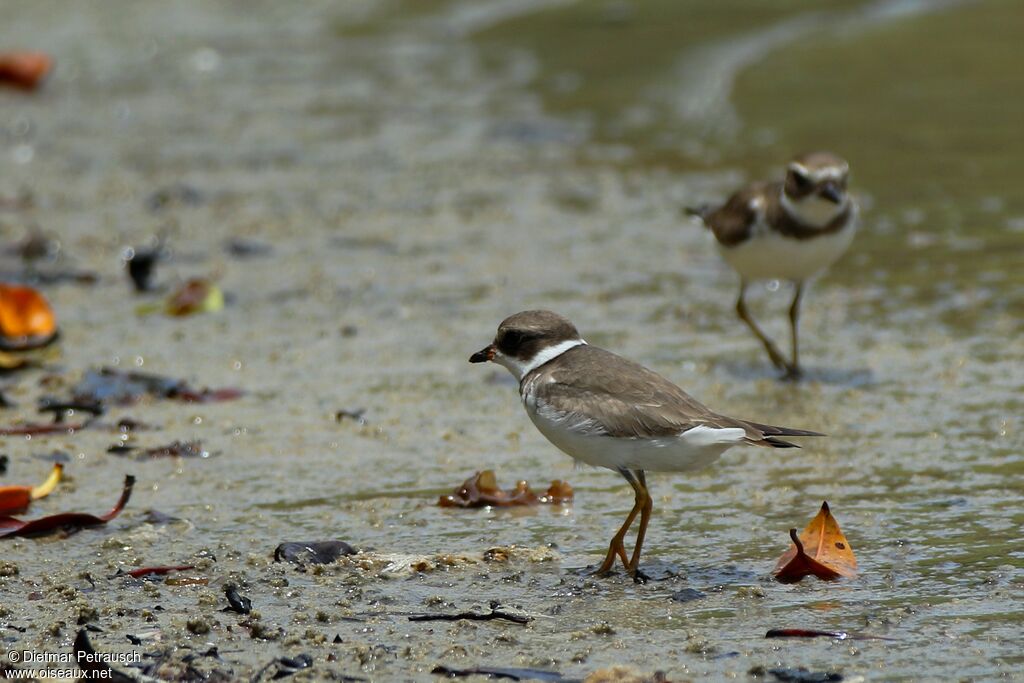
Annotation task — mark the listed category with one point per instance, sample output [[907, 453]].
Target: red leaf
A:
[[33, 429], [66, 521], [190, 395], [25, 70], [805, 633], [156, 571], [815, 633]]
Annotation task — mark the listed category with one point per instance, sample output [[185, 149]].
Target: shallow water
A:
[[423, 169]]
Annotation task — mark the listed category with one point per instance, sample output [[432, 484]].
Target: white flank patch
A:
[[585, 440], [702, 435], [521, 368]]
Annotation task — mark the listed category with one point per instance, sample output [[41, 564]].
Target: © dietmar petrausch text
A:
[[31, 664]]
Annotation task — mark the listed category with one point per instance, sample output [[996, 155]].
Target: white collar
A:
[[521, 368]]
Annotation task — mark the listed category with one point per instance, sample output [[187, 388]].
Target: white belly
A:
[[691, 450], [767, 255]]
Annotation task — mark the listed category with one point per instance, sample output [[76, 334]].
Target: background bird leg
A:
[[794, 321], [769, 346]]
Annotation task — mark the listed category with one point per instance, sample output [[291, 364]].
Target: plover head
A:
[[527, 340], [815, 188]]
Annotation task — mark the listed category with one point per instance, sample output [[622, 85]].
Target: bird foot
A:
[[637, 575], [600, 573], [794, 373]]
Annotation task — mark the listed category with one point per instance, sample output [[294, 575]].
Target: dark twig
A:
[[474, 616], [815, 633]]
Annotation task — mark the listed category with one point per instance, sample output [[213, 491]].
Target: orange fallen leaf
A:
[[25, 70], [821, 550], [16, 499], [197, 295], [26, 319], [482, 490]]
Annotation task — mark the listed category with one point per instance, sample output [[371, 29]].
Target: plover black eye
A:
[[510, 341], [802, 181]]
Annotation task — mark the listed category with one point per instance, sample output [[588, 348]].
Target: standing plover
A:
[[789, 230], [607, 411]]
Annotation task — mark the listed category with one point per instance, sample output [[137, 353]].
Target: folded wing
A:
[[601, 393]]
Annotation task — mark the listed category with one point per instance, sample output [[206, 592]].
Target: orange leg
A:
[[645, 517], [617, 548]]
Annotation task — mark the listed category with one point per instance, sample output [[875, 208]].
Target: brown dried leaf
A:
[[820, 550], [482, 490]]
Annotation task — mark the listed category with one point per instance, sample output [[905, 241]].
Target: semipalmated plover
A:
[[607, 411], [789, 230]]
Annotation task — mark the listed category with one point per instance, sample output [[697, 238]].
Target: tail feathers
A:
[[770, 434], [772, 430], [778, 443]]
